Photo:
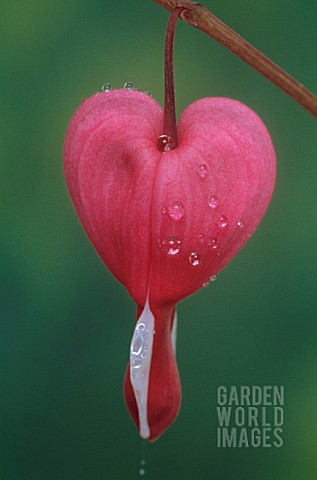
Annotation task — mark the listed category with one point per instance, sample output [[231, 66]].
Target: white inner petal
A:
[[140, 364], [174, 332]]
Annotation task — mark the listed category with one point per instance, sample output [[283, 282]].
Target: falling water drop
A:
[[176, 211], [194, 259], [128, 85], [106, 87], [202, 170], [213, 202], [165, 143]]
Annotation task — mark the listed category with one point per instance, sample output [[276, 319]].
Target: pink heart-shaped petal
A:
[[165, 222]]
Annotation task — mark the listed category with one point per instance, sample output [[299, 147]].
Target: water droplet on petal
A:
[[163, 210], [213, 278], [222, 221], [213, 202], [128, 85], [205, 284], [201, 237], [176, 211], [147, 93], [240, 223], [213, 243], [202, 170], [194, 259], [165, 143], [106, 87], [170, 245]]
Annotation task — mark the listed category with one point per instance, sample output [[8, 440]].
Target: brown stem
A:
[[198, 16]]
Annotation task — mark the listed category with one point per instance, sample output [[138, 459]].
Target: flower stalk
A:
[[200, 17]]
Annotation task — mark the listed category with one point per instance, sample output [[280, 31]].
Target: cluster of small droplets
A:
[[106, 87], [202, 170], [165, 143], [130, 86], [194, 259]]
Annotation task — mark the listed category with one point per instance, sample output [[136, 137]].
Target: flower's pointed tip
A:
[[155, 409]]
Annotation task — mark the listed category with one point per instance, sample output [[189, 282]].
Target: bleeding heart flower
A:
[[164, 221]]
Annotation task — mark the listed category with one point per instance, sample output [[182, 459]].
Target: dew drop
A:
[[205, 284], [176, 211], [146, 92], [170, 245], [213, 278], [194, 259], [201, 237], [106, 87], [202, 170], [163, 210], [240, 223], [165, 143], [213, 202], [213, 243], [128, 85], [222, 222]]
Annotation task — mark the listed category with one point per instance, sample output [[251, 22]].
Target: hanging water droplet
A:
[[176, 211], [240, 223], [194, 259], [106, 87], [223, 221], [165, 143], [213, 243], [170, 245], [128, 85], [213, 278], [202, 170], [213, 202]]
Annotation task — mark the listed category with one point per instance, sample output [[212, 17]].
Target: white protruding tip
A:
[[174, 333], [140, 364]]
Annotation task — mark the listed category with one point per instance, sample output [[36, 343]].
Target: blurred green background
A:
[[66, 323]]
